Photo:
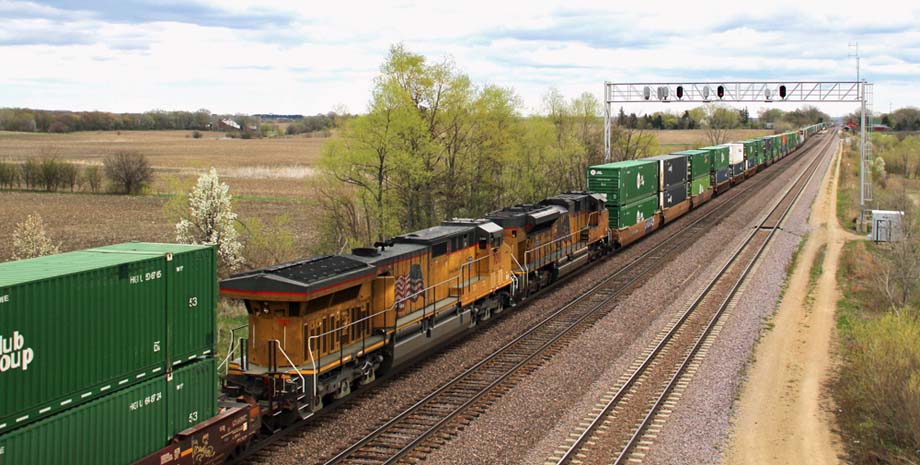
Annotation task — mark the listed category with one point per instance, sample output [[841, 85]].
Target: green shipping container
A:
[[699, 185], [191, 295], [81, 325], [753, 150], [700, 162], [624, 216], [114, 430], [193, 395], [719, 154], [121, 427], [624, 181], [77, 326]]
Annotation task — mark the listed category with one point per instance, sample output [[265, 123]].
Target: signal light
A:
[[782, 92], [680, 92], [663, 93], [720, 91]]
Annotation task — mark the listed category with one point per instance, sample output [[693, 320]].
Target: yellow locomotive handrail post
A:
[[393, 308], [303, 381], [231, 349]]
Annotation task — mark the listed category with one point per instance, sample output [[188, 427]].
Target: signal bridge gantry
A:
[[746, 91]]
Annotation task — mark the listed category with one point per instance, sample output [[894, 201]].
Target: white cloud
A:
[[234, 56]]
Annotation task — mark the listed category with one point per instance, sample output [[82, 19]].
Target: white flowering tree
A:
[[30, 239], [211, 220]]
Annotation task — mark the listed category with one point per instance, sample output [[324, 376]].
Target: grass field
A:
[[676, 140], [267, 177]]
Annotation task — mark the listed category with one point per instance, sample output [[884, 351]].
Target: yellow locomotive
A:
[[321, 326]]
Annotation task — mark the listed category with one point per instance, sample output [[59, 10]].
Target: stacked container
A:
[[89, 329], [699, 170], [721, 167], [672, 179], [631, 188], [736, 158]]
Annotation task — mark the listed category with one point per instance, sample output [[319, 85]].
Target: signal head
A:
[[782, 92], [680, 92], [720, 91]]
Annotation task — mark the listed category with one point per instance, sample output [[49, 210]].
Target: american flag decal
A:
[[411, 286]]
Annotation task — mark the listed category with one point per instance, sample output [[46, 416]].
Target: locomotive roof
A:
[[434, 233], [526, 215], [299, 277]]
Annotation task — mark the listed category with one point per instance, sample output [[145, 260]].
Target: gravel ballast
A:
[[528, 423], [698, 429]]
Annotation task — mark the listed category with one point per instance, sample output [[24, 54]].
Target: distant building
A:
[[228, 124]]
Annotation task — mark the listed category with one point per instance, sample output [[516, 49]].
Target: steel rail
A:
[[573, 449], [413, 443]]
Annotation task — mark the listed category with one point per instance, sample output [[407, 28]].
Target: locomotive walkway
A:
[[434, 420]]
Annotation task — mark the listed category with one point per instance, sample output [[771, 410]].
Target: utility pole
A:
[[862, 140]]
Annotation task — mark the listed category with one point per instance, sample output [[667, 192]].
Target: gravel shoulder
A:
[[526, 424], [783, 415], [699, 427], [531, 421]]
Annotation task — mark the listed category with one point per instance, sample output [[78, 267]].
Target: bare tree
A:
[[128, 171], [718, 121], [900, 274], [630, 144]]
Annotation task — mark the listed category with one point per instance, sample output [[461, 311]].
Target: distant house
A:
[[228, 125]]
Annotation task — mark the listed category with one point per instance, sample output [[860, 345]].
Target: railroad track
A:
[[435, 419], [623, 426]]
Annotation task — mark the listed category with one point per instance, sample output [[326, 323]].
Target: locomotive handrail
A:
[[339, 329], [303, 381], [232, 347], [570, 236]]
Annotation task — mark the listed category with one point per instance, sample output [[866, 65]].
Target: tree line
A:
[[699, 117], [30, 120], [123, 172]]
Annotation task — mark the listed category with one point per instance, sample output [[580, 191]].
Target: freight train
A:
[[107, 355]]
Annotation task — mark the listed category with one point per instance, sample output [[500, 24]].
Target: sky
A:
[[307, 57]]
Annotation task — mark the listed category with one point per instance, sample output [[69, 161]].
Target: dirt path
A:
[[782, 415]]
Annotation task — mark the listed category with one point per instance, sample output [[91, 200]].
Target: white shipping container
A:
[[735, 153]]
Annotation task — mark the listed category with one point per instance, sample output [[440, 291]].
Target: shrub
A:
[[129, 172], [269, 243], [52, 175], [30, 239], [878, 390], [196, 135], [9, 174], [70, 175], [31, 173], [92, 177]]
